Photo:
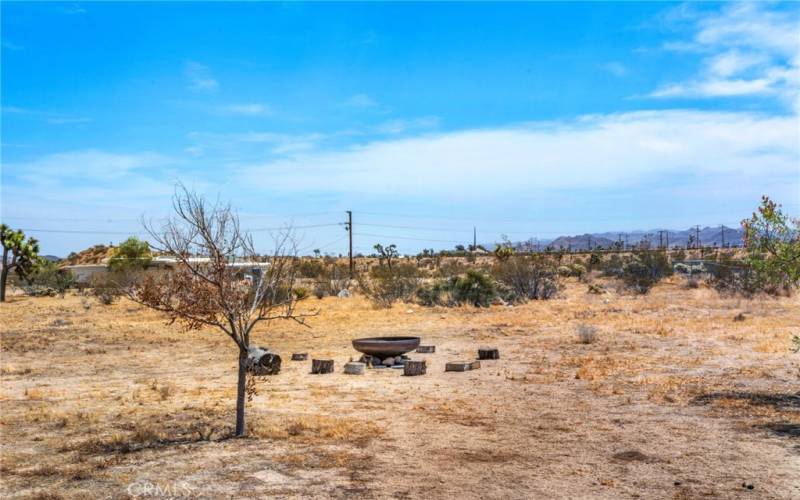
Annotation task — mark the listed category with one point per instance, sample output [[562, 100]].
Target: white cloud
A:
[[401, 125], [251, 109], [593, 152], [750, 49], [200, 78], [66, 120], [615, 68], [360, 101], [87, 165]]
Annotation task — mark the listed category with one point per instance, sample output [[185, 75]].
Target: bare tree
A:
[[208, 286]]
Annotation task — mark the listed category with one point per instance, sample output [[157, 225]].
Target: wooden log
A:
[[426, 349], [320, 366], [354, 368], [300, 356], [488, 353], [413, 368], [261, 361]]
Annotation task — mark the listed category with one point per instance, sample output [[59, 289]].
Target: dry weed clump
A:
[[587, 334], [316, 428]]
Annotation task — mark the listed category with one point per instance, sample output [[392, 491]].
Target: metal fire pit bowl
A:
[[385, 347]]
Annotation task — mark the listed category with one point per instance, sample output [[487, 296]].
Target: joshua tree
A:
[[24, 255], [206, 289], [387, 253]]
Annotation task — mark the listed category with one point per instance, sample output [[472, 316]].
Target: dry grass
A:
[[95, 398]]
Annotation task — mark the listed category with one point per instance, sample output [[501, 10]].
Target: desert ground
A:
[[684, 394]]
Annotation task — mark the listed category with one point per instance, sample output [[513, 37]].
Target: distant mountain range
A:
[[708, 236]]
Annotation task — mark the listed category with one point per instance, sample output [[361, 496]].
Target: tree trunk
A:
[[412, 368], [3, 277], [240, 394], [488, 353], [321, 366]]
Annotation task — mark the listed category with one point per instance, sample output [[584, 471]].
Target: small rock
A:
[[388, 362], [344, 294], [410, 311]]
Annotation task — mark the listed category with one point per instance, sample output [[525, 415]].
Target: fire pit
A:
[[386, 347]]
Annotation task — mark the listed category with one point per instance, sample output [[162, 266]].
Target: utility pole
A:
[[474, 239], [667, 238], [349, 228], [697, 235], [626, 241], [660, 239], [722, 234]]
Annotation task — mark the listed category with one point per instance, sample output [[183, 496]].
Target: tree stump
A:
[[354, 368], [300, 356], [488, 353], [320, 366], [426, 349], [457, 366], [261, 361], [462, 366], [413, 368]]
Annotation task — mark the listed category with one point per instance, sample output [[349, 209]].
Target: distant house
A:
[[85, 273]]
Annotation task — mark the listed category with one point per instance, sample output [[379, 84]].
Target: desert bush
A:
[[106, 288], [435, 294], [772, 239], [310, 268], [526, 278], [450, 268], [332, 279], [474, 287], [612, 266], [131, 254], [692, 283], [301, 293], [645, 269], [587, 334], [386, 285], [47, 279]]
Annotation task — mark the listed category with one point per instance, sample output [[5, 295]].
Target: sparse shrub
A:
[[474, 287], [613, 266], [526, 278], [645, 269], [596, 289], [564, 271], [435, 294], [47, 279], [320, 292], [310, 268], [301, 293], [587, 334], [578, 270], [386, 285], [450, 268]]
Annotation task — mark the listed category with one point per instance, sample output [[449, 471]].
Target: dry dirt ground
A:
[[680, 396]]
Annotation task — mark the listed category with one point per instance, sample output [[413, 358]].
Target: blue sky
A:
[[530, 120]]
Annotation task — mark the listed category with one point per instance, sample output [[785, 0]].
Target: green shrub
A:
[[131, 254], [47, 279], [474, 287], [645, 269]]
